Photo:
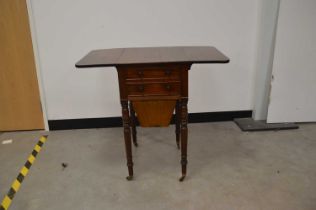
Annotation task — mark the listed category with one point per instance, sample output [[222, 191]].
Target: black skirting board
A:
[[108, 122]]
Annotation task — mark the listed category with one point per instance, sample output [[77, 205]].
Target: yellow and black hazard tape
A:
[[23, 172]]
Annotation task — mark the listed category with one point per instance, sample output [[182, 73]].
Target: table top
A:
[[152, 55]]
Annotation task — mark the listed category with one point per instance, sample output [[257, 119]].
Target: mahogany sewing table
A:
[[153, 83]]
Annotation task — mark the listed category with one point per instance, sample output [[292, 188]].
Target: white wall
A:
[[293, 88], [66, 30]]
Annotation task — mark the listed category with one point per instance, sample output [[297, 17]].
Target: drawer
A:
[[144, 73], [153, 89]]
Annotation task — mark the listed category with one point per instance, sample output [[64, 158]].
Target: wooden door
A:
[[20, 106]]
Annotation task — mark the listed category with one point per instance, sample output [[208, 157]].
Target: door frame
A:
[[37, 62]]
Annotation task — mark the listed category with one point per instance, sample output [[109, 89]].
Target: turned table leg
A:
[[133, 124], [177, 122], [127, 138], [184, 137]]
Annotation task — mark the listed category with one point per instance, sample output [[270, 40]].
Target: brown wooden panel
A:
[[154, 113], [154, 89], [154, 98], [148, 73], [136, 81], [20, 107], [152, 55]]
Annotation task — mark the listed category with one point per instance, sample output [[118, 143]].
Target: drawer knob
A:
[[141, 88], [168, 86], [168, 72], [140, 73]]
